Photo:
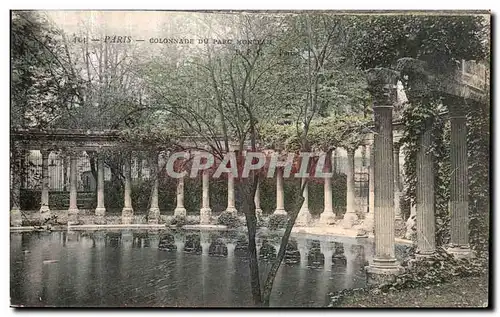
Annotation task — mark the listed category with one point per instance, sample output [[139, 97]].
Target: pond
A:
[[171, 268]]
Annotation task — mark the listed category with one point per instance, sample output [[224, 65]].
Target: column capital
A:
[[382, 85]]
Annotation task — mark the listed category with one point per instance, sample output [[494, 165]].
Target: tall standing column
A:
[[370, 218], [44, 206], [426, 232], [459, 189], [127, 211], [155, 166], [231, 207], [397, 185], [179, 209], [350, 214], [328, 216], [256, 200], [73, 188], [16, 169], [100, 209], [206, 211], [280, 195], [304, 216], [382, 86]]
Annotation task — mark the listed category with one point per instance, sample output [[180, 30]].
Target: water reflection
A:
[[176, 268]]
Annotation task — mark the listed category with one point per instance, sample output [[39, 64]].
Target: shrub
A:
[[277, 221], [229, 220], [179, 221]]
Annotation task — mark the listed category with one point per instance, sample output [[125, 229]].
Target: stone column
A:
[[426, 237], [280, 195], [16, 169], [382, 86], [328, 216], [179, 209], [397, 185], [370, 218], [44, 205], [205, 212], [304, 216], [127, 211], [155, 166], [459, 189], [100, 209], [230, 194], [256, 199], [350, 214], [73, 188]]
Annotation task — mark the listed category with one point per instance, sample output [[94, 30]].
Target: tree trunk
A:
[[268, 285]]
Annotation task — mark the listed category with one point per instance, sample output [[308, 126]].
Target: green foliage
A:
[[228, 219], [416, 118], [41, 82], [179, 221], [443, 267], [478, 143], [380, 40], [277, 221]]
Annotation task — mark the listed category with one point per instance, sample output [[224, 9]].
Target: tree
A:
[[42, 85]]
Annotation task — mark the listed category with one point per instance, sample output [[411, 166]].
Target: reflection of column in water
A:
[[100, 240], [81, 267], [205, 242], [31, 286], [230, 249], [229, 272], [349, 271], [327, 251], [100, 260], [323, 280], [51, 271], [154, 240], [16, 244], [205, 245], [180, 242], [302, 247]]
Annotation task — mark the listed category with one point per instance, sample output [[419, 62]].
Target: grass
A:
[[464, 292]]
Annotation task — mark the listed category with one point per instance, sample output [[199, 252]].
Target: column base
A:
[[349, 219], [153, 215], [127, 212], [44, 213], [280, 211], [303, 218], [460, 252], [327, 217], [180, 211], [382, 271], [205, 215], [231, 210], [100, 211], [16, 219], [73, 216], [126, 220]]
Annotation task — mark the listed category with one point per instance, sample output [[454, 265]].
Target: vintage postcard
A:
[[250, 159]]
